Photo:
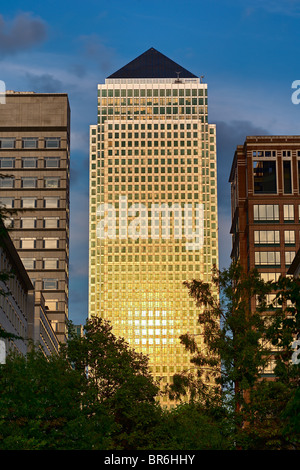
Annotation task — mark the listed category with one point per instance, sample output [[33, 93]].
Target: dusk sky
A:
[[248, 52]]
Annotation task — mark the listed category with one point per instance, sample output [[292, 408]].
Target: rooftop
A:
[[152, 64]]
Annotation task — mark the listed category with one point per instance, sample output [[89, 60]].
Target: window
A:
[[52, 142], [28, 182], [50, 263], [263, 258], [29, 263], [51, 202], [267, 212], [51, 304], [52, 182], [55, 325], [29, 162], [50, 284], [50, 243], [28, 222], [7, 202], [28, 202], [264, 173], [52, 162], [7, 142], [264, 153], [8, 162], [27, 243], [288, 212], [287, 177], [266, 237], [289, 237], [51, 222], [7, 182], [289, 256], [269, 276], [29, 142]]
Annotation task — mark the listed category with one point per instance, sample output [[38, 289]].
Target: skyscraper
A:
[[34, 158], [153, 205]]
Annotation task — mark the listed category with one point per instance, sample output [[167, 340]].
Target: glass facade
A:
[[153, 212]]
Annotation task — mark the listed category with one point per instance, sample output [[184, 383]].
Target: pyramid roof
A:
[[152, 64]]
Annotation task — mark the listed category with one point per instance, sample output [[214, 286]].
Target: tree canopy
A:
[[243, 360], [241, 391]]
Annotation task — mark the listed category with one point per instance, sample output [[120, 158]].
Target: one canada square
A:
[[153, 206]]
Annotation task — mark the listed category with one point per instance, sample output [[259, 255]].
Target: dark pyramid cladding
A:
[[152, 64]]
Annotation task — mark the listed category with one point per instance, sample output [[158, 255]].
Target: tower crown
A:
[[152, 64]]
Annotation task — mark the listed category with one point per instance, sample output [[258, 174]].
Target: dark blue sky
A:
[[248, 52]]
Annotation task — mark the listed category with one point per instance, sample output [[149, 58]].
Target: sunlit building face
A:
[[153, 206]]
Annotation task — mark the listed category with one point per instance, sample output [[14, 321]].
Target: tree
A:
[[189, 426], [118, 377], [238, 341], [43, 406], [97, 393]]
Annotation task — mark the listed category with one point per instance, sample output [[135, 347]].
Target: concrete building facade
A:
[[16, 297], [34, 160]]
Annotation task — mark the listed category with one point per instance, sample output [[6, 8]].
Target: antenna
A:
[[178, 79]]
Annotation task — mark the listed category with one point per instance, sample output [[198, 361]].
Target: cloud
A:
[[229, 135], [93, 48], [78, 70], [80, 140], [281, 7], [22, 33], [45, 83], [233, 133], [225, 241]]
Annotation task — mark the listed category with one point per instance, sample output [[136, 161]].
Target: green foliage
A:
[[98, 393], [41, 405], [191, 427], [118, 377], [241, 332], [268, 423]]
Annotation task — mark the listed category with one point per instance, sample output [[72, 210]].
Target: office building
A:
[[16, 297], [22, 310], [153, 205], [265, 200], [265, 204], [34, 160]]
